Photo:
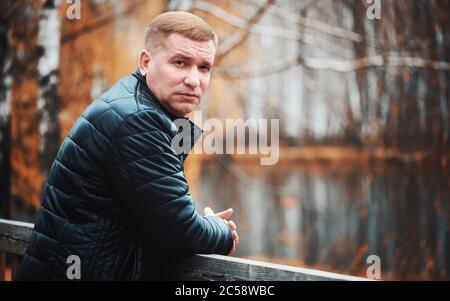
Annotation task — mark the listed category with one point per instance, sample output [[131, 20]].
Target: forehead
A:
[[177, 44]]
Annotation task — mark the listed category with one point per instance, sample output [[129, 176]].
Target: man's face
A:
[[178, 72]]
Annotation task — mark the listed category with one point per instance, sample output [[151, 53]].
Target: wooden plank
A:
[[14, 236], [224, 268]]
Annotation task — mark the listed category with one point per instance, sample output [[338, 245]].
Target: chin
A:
[[183, 111]]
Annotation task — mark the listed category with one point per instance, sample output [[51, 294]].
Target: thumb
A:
[[225, 214], [208, 211]]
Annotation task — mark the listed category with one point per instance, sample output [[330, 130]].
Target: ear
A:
[[144, 61]]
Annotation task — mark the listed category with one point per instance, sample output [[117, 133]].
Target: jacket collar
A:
[[148, 97]]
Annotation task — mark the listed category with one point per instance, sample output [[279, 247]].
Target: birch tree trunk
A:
[[5, 118], [48, 98]]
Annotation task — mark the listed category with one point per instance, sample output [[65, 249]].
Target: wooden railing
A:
[[14, 237]]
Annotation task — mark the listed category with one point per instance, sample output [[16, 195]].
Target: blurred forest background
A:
[[363, 106]]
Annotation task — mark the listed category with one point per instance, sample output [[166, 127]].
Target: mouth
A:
[[189, 95]]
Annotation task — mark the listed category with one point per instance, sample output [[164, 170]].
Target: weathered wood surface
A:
[[224, 268], [14, 237]]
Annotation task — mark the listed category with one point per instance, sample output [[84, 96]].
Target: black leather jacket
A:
[[117, 196]]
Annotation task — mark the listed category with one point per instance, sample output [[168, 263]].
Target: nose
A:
[[192, 79]]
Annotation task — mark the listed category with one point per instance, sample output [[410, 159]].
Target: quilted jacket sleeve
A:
[[147, 175]]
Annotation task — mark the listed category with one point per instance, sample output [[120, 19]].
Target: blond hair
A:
[[184, 23]]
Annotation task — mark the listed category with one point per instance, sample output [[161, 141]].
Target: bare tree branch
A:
[[184, 5], [314, 24], [392, 60], [264, 30], [99, 23], [238, 38]]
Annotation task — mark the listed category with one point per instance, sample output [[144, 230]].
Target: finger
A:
[[208, 211], [235, 237], [232, 225], [225, 214], [232, 249]]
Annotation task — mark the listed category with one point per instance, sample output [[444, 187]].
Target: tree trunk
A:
[[5, 119], [48, 99], [26, 180]]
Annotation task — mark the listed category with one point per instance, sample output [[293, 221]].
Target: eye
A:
[[205, 68], [180, 63]]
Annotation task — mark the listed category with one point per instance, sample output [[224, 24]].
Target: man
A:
[[116, 196]]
